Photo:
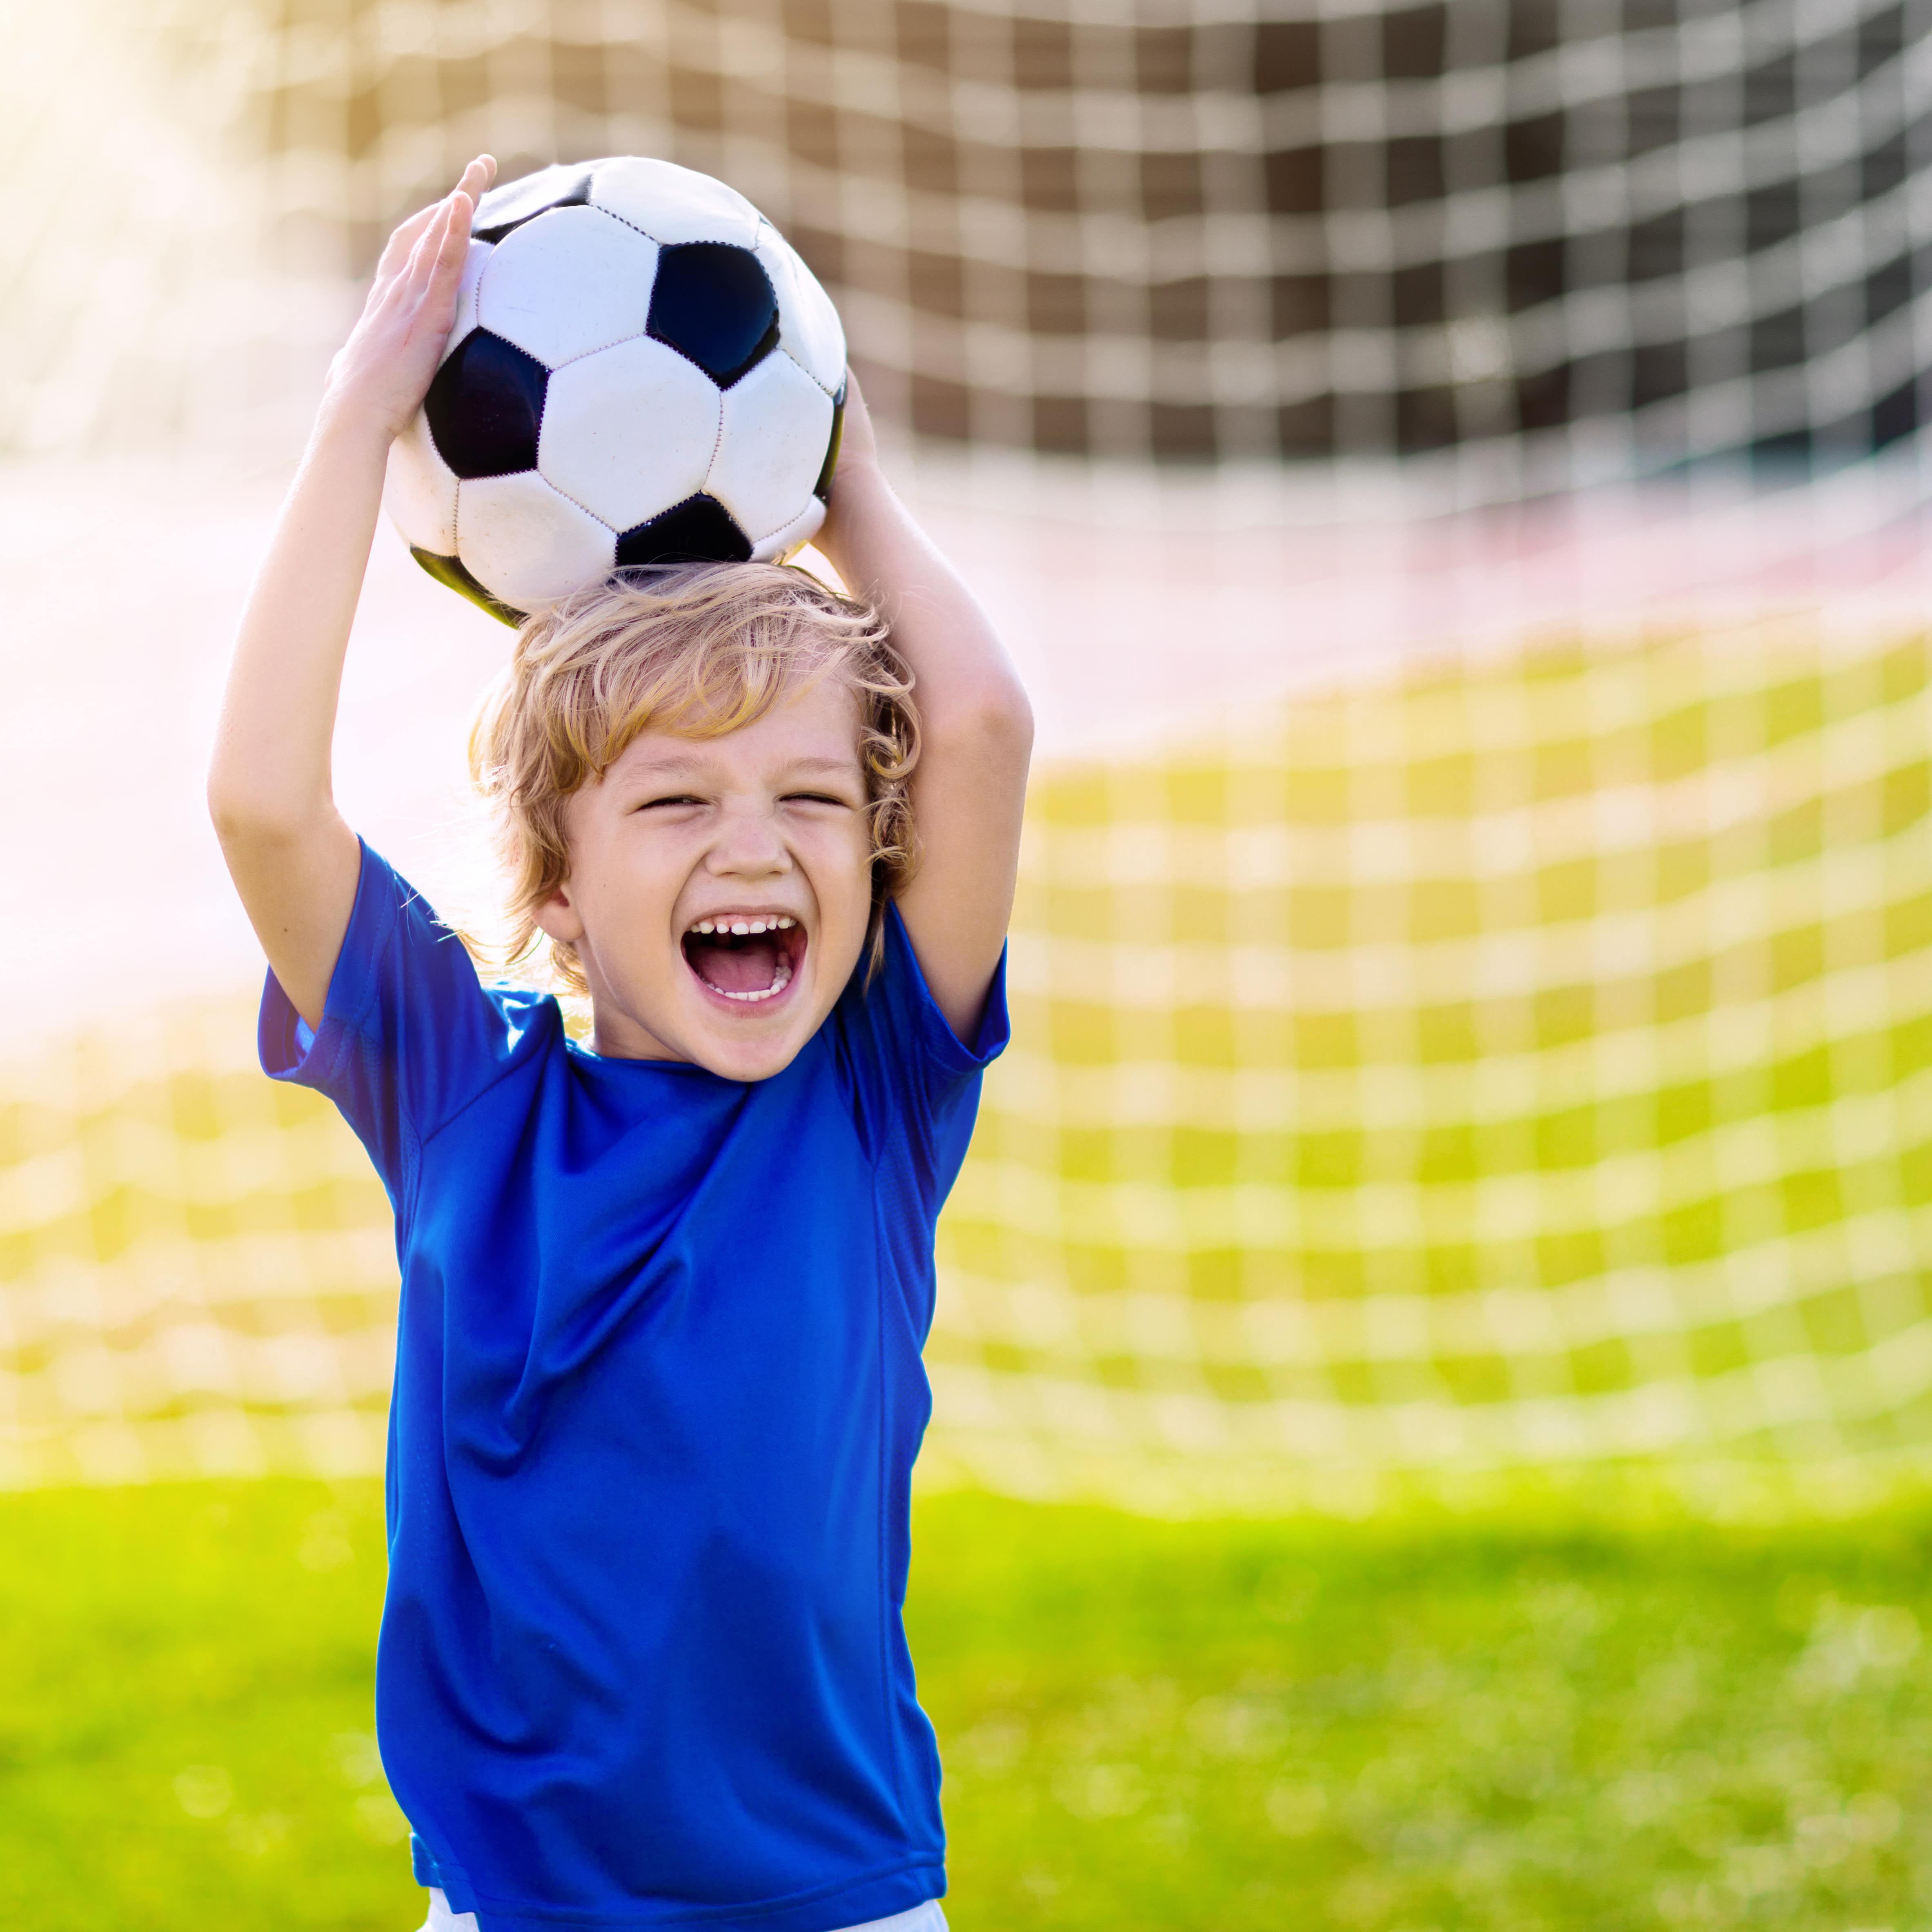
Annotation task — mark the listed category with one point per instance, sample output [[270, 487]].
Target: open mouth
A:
[[746, 958]]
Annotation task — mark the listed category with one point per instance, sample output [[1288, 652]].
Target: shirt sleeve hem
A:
[[352, 986], [949, 1053]]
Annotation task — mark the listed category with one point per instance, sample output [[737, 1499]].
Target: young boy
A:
[[657, 1384]]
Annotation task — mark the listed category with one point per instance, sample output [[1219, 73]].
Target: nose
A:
[[747, 845]]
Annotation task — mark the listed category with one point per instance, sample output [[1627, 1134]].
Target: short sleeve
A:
[[408, 1036], [911, 1073]]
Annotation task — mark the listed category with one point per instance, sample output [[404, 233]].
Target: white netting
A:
[[1571, 239], [1520, 1064], [1474, 1069]]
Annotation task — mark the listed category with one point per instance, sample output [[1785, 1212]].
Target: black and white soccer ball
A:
[[642, 371]]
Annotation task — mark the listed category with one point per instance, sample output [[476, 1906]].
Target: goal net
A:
[[1567, 240], [1458, 1066], [1518, 1063]]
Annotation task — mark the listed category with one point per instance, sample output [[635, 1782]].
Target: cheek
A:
[[841, 868], [627, 882]]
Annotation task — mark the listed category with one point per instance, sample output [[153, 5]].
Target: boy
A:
[[657, 1386]]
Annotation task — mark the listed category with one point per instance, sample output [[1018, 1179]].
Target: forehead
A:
[[816, 725]]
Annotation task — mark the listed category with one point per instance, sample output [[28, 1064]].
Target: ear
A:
[[557, 917]]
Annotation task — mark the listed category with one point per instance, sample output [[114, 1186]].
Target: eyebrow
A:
[[667, 761], [838, 767], [670, 762]]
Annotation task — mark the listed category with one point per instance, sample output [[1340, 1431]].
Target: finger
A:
[[413, 278], [443, 269], [858, 417], [452, 232], [402, 243], [409, 232], [478, 176], [422, 300], [402, 283], [454, 249]]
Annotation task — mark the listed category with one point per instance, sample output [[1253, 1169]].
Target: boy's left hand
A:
[[856, 471], [976, 727]]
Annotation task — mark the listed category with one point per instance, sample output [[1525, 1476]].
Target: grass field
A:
[[1225, 1725]]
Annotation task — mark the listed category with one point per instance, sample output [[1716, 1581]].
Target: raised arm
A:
[[293, 859], [975, 727]]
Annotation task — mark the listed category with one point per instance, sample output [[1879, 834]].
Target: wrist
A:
[[857, 472], [348, 423], [860, 496]]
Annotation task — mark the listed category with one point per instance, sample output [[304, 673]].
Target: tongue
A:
[[749, 966]]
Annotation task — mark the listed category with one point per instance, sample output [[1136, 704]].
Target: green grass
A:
[[1219, 1725]]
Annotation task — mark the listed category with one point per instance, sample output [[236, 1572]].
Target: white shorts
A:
[[926, 1917]]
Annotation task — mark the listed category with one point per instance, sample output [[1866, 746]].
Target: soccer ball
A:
[[641, 371]]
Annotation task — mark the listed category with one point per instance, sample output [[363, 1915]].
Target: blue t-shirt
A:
[[658, 1395]]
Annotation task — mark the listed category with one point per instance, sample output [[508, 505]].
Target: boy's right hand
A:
[[382, 372], [294, 860]]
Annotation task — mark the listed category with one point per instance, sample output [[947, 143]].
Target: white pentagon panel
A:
[[809, 330], [629, 431], [571, 281], [781, 545], [672, 204], [777, 422], [419, 492], [480, 252], [527, 545]]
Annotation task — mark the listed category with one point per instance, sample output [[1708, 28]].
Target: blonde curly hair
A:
[[702, 650]]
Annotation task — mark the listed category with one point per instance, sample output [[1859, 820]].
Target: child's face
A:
[[685, 849]]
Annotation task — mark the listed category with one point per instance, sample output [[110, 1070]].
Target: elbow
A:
[[245, 821], [1008, 724], [993, 723], [1017, 719], [229, 809]]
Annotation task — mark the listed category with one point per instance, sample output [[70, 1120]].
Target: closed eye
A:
[[679, 798], [817, 798]]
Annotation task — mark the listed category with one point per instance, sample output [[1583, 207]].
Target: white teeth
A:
[[778, 986], [743, 928]]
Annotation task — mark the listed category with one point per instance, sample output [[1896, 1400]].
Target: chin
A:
[[745, 1059]]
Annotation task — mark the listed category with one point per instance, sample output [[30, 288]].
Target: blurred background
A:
[[1434, 1363]]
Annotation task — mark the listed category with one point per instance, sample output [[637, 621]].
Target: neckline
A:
[[590, 1056]]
